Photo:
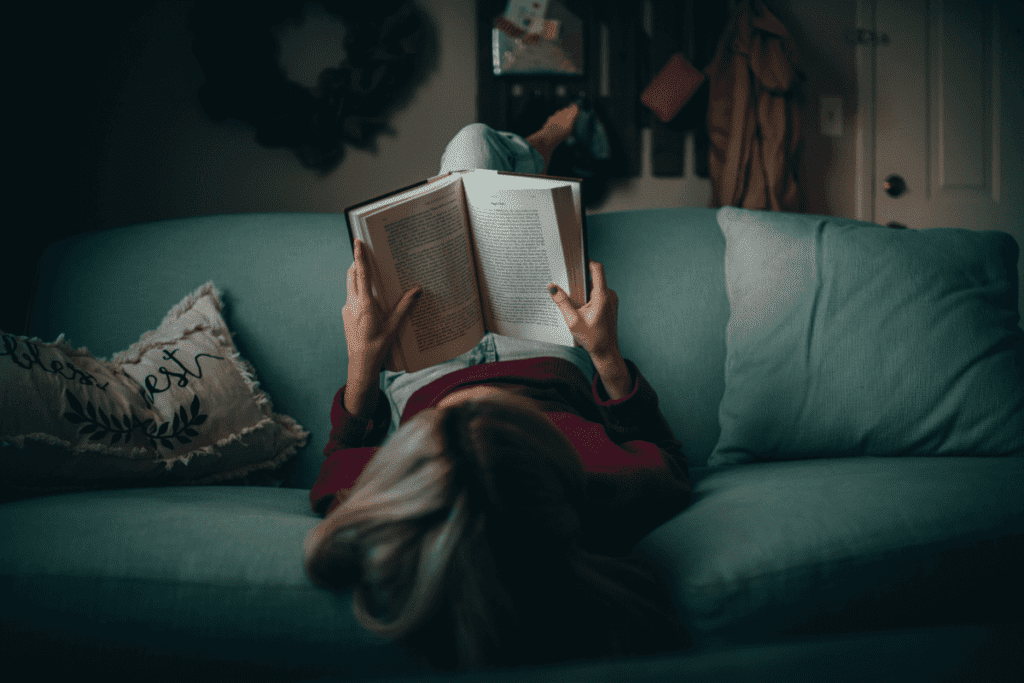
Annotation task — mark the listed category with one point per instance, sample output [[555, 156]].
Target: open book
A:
[[484, 245]]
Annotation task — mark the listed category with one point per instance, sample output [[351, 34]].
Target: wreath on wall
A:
[[388, 49]]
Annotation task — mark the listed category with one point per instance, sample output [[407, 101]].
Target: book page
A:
[[518, 246], [429, 186], [424, 241]]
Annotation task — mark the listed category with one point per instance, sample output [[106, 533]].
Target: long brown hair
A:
[[461, 539]]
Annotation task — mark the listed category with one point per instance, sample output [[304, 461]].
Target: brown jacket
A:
[[753, 118]]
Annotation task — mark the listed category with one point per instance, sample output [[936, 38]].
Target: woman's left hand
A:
[[594, 324], [369, 331]]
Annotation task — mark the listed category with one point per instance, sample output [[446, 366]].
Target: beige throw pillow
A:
[[179, 406]]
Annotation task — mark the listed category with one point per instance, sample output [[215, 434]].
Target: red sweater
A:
[[637, 477]]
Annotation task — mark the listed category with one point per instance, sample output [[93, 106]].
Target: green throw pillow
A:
[[848, 338]]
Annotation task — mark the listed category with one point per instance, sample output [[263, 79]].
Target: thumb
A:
[[561, 300], [401, 311]]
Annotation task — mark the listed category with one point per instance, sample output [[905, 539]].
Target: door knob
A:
[[894, 186]]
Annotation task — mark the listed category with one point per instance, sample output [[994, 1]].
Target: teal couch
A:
[[842, 568]]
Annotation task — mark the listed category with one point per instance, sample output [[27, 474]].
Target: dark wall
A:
[[68, 62], [107, 130]]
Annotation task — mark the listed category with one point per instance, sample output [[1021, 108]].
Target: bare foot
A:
[[557, 128]]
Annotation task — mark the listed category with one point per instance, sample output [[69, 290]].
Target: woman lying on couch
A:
[[489, 529]]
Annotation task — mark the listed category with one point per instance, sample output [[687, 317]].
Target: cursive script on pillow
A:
[[30, 358]]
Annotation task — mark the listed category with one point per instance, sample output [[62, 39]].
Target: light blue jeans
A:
[[479, 146]]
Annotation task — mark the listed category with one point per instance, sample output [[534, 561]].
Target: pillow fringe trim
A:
[[299, 437], [295, 431], [60, 343], [153, 339], [294, 438]]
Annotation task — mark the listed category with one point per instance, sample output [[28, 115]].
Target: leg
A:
[[400, 386], [475, 146], [480, 146], [510, 348]]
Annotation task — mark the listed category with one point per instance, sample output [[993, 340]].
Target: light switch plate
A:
[[832, 116]]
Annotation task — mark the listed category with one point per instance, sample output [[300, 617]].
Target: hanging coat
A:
[[753, 116]]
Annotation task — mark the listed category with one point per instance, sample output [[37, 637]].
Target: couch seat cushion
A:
[[845, 545], [188, 572]]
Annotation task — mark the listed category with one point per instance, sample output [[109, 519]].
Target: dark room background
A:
[[107, 130]]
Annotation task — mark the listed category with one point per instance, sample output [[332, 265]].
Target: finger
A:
[[351, 285], [561, 300], [597, 275], [362, 263], [355, 267], [405, 305]]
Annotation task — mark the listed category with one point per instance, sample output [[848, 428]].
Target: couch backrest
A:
[[282, 281], [668, 268]]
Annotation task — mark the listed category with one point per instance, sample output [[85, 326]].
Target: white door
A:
[[948, 101]]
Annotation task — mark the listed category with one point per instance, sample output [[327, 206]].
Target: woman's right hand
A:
[[369, 332], [595, 326]]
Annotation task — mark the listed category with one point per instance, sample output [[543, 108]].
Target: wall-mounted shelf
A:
[[625, 44], [610, 79]]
